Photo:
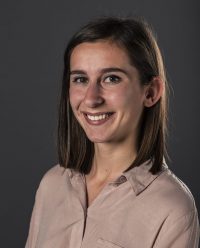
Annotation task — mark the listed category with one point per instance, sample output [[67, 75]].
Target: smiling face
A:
[[105, 92]]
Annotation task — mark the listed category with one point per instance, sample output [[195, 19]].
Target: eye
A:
[[112, 79], [79, 79]]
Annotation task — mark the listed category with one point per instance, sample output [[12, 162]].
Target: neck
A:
[[110, 160]]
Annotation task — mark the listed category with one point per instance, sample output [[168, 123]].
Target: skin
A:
[[103, 80]]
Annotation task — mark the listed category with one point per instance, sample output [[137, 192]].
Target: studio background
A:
[[34, 35]]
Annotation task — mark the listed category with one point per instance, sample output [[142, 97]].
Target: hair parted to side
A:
[[75, 150]]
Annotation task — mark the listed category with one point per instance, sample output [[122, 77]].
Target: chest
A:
[[114, 218], [92, 191]]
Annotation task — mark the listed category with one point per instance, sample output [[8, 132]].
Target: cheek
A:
[[123, 97], [129, 102], [75, 97], [118, 96]]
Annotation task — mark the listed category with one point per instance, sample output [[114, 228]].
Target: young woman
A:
[[112, 187]]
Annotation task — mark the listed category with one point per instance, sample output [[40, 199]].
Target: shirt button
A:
[[122, 179]]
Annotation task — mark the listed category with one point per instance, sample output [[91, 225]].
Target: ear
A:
[[153, 92]]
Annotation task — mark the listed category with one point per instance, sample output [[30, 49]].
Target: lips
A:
[[97, 118]]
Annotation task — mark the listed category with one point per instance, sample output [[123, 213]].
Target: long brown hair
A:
[[75, 150]]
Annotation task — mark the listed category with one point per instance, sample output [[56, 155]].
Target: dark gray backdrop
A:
[[33, 38]]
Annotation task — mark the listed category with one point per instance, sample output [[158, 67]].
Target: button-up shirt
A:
[[137, 210]]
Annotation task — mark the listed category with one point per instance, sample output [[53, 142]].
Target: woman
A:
[[112, 187]]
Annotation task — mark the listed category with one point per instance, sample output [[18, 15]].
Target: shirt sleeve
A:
[[182, 233], [35, 220]]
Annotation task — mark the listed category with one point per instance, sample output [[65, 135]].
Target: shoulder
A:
[[175, 208], [54, 172], [54, 178], [167, 200], [174, 194]]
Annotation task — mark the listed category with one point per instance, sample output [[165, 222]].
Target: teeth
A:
[[97, 117]]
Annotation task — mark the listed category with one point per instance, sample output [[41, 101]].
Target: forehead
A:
[[97, 53]]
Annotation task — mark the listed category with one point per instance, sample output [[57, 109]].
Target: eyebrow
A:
[[104, 70]]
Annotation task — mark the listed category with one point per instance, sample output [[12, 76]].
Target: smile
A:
[[98, 118]]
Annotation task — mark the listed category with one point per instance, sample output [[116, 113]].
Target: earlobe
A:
[[153, 92]]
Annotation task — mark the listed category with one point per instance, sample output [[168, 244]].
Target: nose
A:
[[93, 97]]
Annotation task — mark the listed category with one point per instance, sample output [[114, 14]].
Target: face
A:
[[105, 92]]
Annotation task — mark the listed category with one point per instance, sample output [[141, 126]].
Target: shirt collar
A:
[[140, 177]]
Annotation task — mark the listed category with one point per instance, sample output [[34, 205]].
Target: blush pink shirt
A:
[[138, 210]]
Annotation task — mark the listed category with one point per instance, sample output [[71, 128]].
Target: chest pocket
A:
[[102, 243]]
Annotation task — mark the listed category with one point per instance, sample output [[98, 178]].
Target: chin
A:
[[97, 139]]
